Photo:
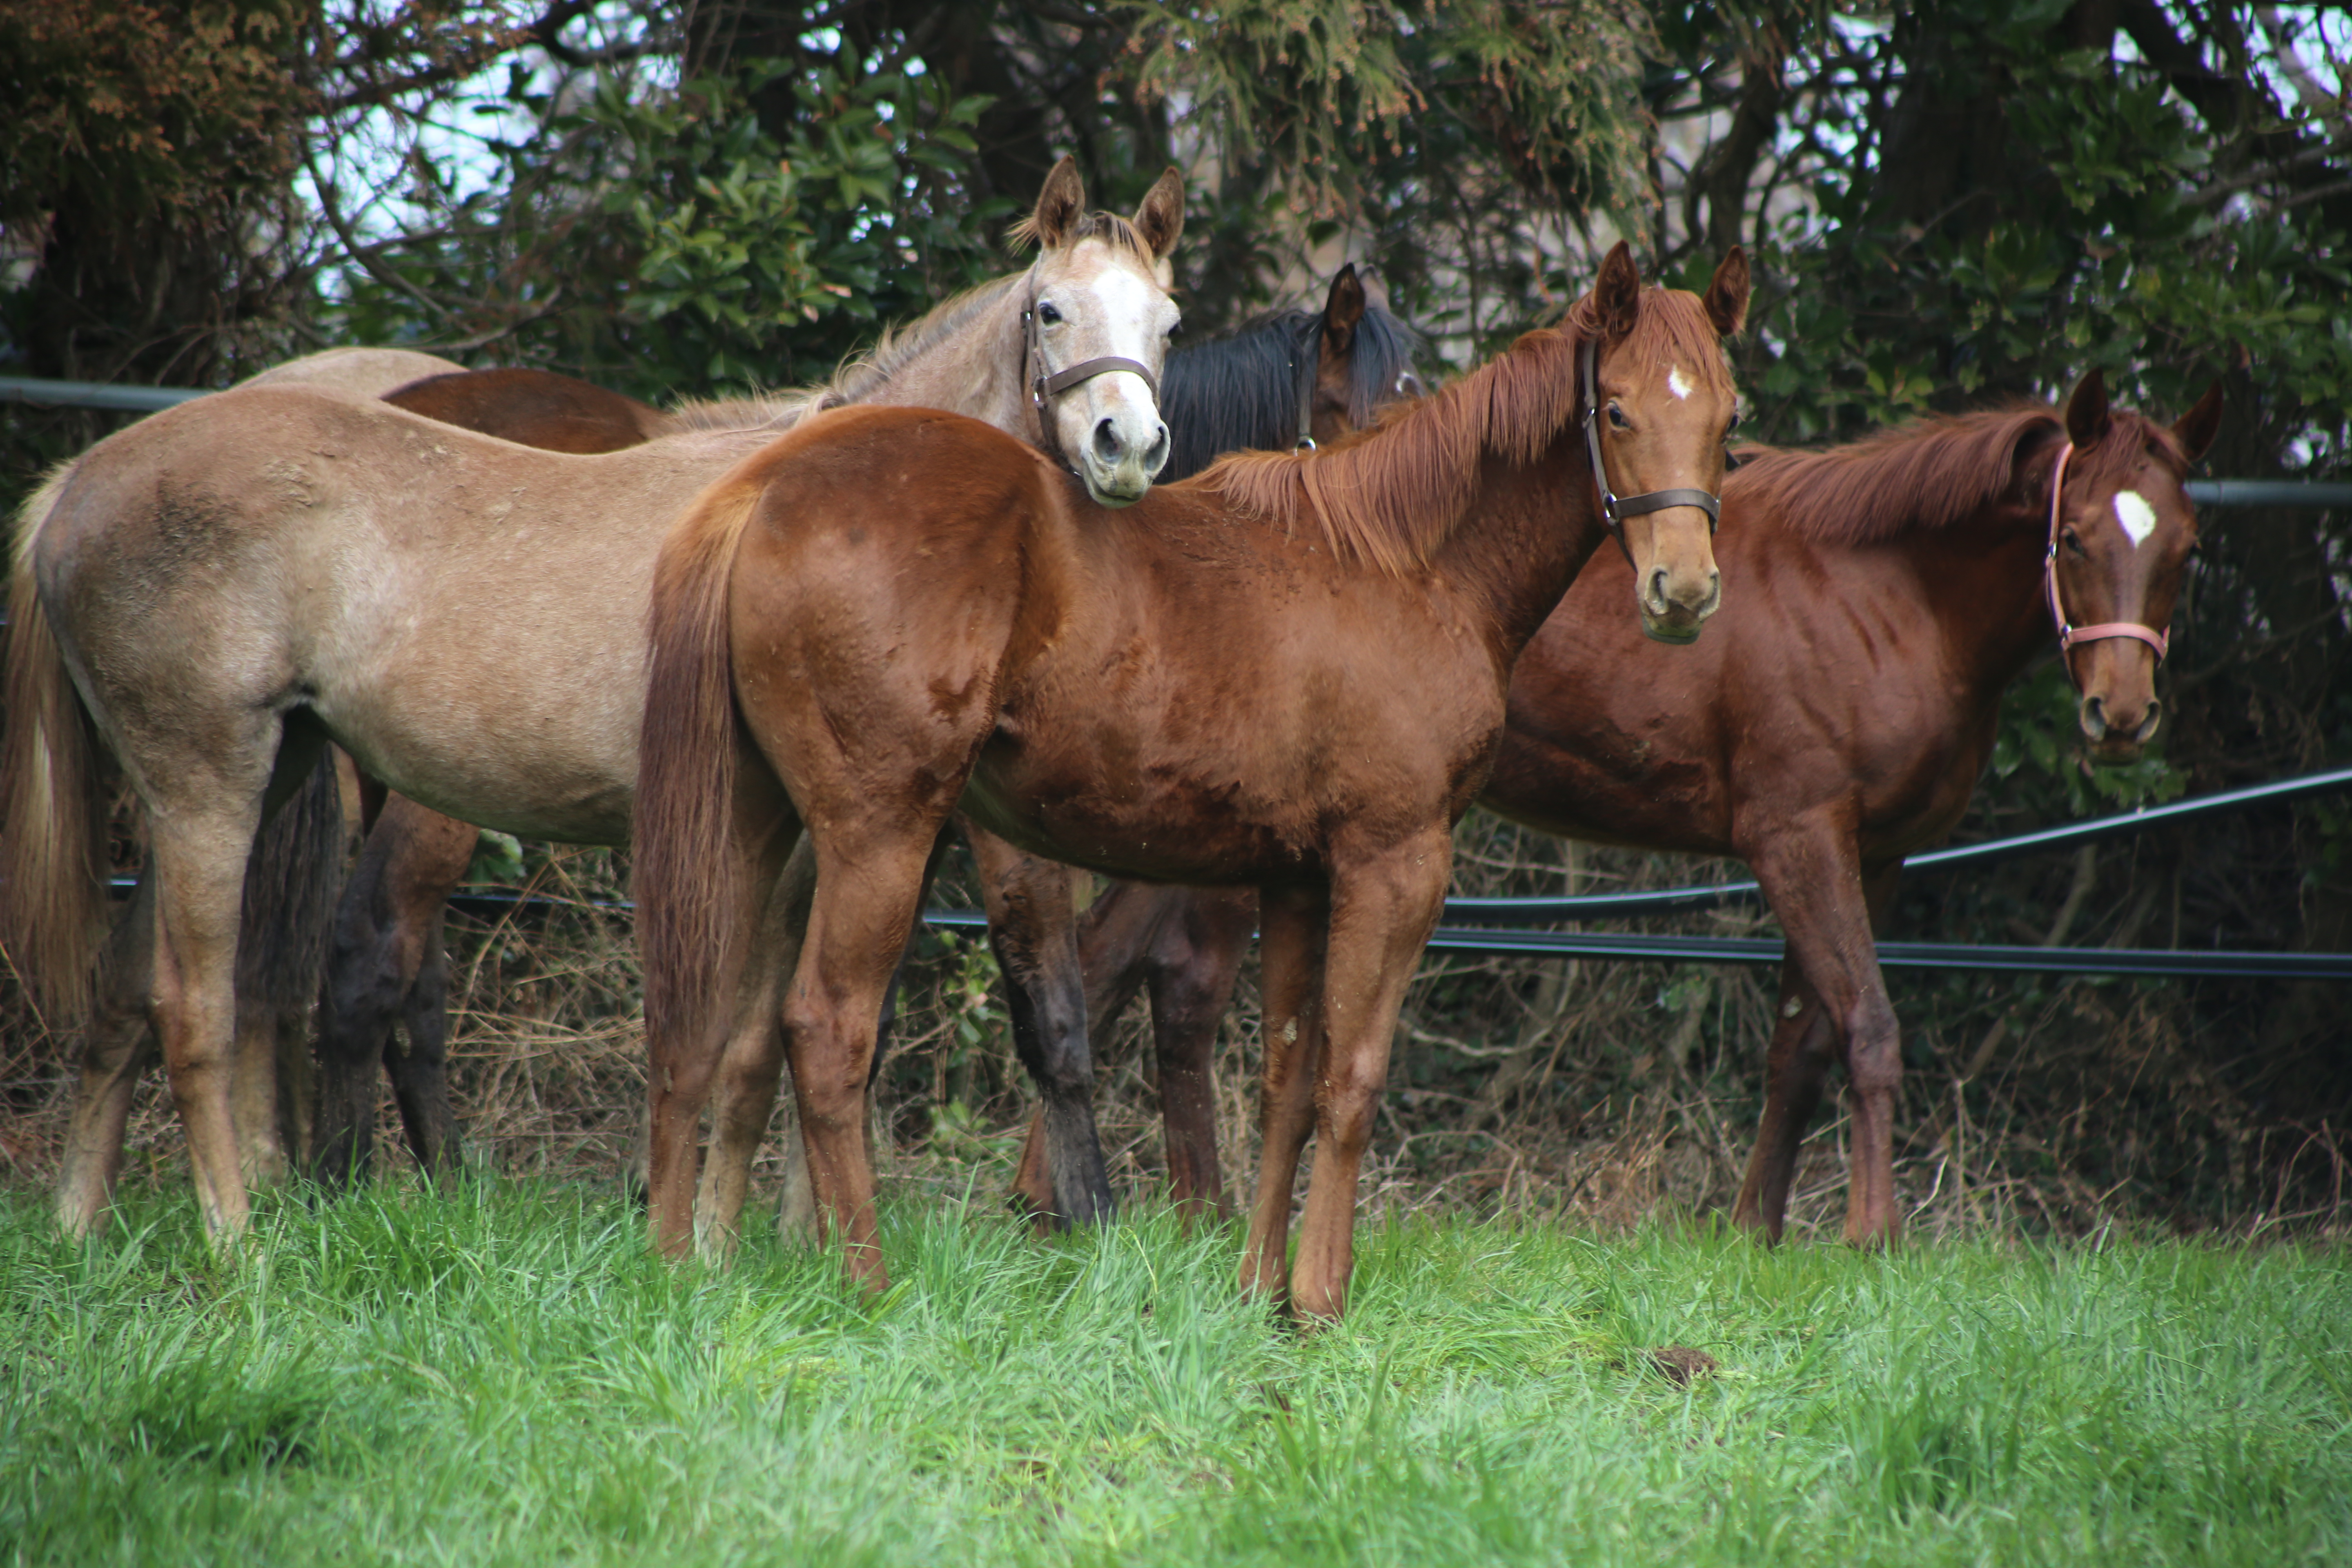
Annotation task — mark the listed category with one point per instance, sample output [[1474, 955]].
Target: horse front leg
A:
[[1383, 911], [1196, 962], [1803, 1041], [1032, 927], [1295, 922], [118, 1044], [1813, 876]]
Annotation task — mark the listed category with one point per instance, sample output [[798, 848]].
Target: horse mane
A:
[[1930, 474], [1118, 233], [1236, 390], [859, 377], [1391, 499]]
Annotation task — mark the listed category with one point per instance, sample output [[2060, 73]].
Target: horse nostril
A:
[[2147, 724], [1657, 595], [1714, 594], [1108, 446], [1156, 458], [2095, 717]]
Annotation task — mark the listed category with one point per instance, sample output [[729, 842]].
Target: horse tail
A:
[[684, 877], [53, 795], [292, 880]]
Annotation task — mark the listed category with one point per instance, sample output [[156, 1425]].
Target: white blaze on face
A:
[[1126, 324], [2137, 516], [1675, 384]]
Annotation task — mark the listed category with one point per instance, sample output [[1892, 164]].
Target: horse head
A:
[[1657, 404], [2121, 529], [1097, 320], [1363, 360]]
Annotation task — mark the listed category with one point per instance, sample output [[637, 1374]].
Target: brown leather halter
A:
[[2068, 635], [1616, 509], [1047, 383]]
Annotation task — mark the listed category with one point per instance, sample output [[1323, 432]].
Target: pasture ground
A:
[[502, 1375]]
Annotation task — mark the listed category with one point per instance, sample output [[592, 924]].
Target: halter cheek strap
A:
[[1615, 508], [2068, 635], [1046, 384]]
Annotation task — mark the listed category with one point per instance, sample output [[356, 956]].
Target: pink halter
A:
[[2068, 635]]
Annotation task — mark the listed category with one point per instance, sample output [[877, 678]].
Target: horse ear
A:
[[1726, 296], [1617, 292], [2086, 411], [1060, 204], [1342, 309], [1160, 218], [2197, 427]]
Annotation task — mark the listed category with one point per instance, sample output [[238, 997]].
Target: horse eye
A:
[[2074, 542], [1617, 419], [1172, 326], [1046, 313], [1729, 428]]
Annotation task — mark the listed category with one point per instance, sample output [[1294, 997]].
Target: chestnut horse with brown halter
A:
[[1836, 721], [1289, 672]]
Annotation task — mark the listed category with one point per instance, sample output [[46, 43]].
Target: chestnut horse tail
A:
[[53, 797], [686, 881], [292, 882]]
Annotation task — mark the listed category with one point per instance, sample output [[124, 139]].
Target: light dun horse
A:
[[215, 592], [1289, 672]]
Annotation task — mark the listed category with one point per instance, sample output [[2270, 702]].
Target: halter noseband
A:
[[2068, 635], [1046, 384], [1616, 509]]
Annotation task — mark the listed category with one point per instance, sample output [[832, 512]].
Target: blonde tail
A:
[[53, 806]]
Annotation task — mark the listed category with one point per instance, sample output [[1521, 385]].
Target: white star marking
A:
[[2137, 516]]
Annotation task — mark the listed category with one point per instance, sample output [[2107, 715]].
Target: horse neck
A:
[[975, 370], [1984, 581], [1528, 532]]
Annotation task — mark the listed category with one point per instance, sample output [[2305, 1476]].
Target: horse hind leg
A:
[[117, 1043], [868, 891], [751, 1064]]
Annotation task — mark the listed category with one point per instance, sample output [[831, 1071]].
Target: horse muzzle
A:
[[1676, 605], [2118, 735]]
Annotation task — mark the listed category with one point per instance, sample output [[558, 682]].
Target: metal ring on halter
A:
[[1304, 377], [2068, 635], [1047, 384], [1615, 508]]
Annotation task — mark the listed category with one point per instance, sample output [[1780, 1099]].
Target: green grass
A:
[[504, 1376]]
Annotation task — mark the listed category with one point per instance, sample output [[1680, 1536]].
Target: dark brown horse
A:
[[1292, 377], [1290, 673], [1835, 720]]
